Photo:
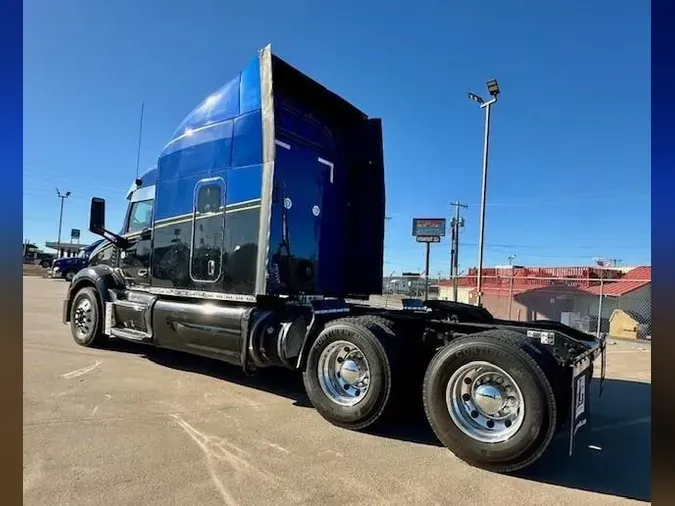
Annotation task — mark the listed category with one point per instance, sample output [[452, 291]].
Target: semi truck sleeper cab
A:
[[263, 217]]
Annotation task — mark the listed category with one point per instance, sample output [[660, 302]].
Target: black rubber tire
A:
[[510, 352], [376, 337], [94, 337], [69, 275]]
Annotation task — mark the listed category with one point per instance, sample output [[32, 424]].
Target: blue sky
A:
[[570, 149]]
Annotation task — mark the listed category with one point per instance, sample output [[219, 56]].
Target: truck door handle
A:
[[142, 273]]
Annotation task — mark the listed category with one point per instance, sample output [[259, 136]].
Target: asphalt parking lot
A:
[[133, 425]]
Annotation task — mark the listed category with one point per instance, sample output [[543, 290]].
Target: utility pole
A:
[[63, 197], [456, 223], [426, 271], [602, 264], [511, 259]]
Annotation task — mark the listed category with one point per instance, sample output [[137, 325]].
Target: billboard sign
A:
[[75, 233], [428, 227]]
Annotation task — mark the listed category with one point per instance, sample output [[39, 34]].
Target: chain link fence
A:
[[613, 301]]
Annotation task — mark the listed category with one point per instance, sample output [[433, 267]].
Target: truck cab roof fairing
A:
[[237, 97]]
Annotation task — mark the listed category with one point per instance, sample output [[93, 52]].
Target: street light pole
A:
[[481, 236], [493, 89], [63, 197]]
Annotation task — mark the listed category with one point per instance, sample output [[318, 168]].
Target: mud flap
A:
[[579, 410], [65, 312], [582, 375]]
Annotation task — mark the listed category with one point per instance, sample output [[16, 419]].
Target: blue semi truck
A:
[[256, 240], [67, 267]]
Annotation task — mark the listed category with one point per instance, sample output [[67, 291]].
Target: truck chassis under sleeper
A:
[[494, 392]]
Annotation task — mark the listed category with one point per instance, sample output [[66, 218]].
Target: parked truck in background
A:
[[67, 267], [257, 239]]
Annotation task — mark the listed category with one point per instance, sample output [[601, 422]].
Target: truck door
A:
[[135, 260]]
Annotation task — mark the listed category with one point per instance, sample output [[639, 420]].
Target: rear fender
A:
[[102, 278]]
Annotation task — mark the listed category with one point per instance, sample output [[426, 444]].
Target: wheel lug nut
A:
[[474, 414], [490, 424], [466, 397], [507, 423], [467, 381]]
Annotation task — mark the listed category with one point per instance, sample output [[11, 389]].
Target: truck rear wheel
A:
[[489, 402], [350, 371], [86, 323]]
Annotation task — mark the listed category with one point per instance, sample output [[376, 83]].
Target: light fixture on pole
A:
[[493, 90], [63, 197]]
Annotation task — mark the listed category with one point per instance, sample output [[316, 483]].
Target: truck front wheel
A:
[[86, 324], [350, 371], [489, 402]]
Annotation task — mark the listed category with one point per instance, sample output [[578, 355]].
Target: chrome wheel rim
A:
[[485, 402], [344, 373], [83, 318]]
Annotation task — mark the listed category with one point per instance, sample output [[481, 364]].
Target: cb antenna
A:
[[140, 135]]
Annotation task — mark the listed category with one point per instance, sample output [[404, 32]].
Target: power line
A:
[[532, 246]]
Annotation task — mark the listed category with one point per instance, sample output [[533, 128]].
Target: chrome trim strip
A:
[[329, 164], [188, 218], [108, 324], [199, 294], [269, 153], [249, 204]]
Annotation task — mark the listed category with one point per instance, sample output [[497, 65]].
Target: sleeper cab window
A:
[[208, 231], [209, 198], [140, 216]]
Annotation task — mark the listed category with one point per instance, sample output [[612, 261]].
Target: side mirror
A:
[[97, 216]]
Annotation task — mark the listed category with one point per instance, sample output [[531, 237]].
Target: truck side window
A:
[[209, 231], [104, 257], [140, 216]]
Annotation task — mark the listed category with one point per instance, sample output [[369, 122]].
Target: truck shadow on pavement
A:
[[614, 455], [611, 457]]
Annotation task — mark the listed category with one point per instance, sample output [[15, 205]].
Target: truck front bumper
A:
[[582, 375]]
